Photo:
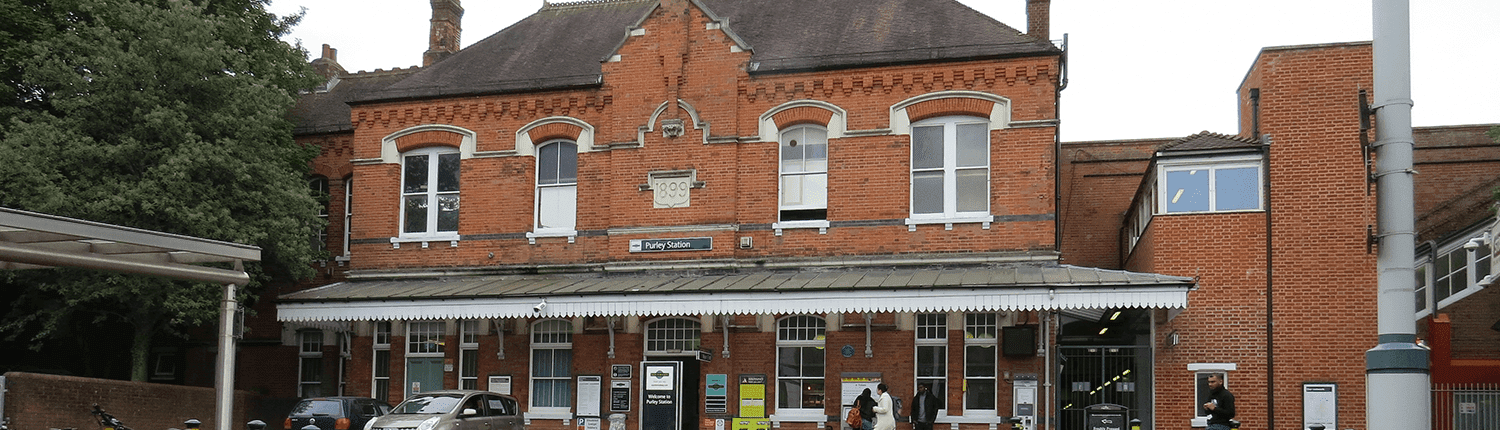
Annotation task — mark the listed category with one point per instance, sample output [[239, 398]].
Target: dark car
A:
[[453, 410], [335, 413]]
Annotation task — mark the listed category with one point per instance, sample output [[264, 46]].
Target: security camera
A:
[[539, 306]]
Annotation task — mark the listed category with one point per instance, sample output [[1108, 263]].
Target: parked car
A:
[[335, 413], [453, 410]]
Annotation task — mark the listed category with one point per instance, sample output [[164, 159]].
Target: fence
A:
[[1466, 407]]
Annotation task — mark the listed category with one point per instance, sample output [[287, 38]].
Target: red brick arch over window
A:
[[950, 106], [555, 130], [424, 139], [803, 115]]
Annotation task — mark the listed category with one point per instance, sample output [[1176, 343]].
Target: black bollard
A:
[[256, 425]]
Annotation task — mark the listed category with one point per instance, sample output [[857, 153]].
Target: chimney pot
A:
[[442, 39], [329, 53]]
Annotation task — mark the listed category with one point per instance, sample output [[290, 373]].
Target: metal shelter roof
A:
[[982, 288], [33, 240]]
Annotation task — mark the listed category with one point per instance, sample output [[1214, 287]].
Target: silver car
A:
[[453, 410]]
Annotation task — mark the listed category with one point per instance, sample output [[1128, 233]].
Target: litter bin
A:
[[1106, 416]]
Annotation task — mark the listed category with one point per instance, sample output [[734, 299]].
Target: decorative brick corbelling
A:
[[950, 106], [556, 130], [802, 115], [426, 139]]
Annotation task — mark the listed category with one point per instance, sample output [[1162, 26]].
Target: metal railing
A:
[[1465, 406]]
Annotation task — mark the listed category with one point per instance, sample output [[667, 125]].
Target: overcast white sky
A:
[[1138, 69]]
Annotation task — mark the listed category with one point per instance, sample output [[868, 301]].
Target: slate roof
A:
[[1204, 141], [563, 45], [328, 111]]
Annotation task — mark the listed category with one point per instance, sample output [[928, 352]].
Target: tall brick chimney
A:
[[328, 65], [442, 41], [1038, 19]]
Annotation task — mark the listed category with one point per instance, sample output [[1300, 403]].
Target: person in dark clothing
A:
[[1220, 405], [866, 405], [924, 408]]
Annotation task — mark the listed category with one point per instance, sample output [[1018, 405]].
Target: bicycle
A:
[[107, 421]]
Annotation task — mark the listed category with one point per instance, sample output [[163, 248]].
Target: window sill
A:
[[912, 223], [452, 240], [1200, 422], [987, 416], [571, 234], [799, 416], [821, 225], [534, 414]]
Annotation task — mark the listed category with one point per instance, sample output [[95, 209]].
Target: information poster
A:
[[589, 395], [1320, 405], [500, 384], [716, 398], [854, 383], [753, 396], [661, 405], [619, 396]]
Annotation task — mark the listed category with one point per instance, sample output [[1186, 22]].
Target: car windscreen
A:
[[428, 404], [318, 407]]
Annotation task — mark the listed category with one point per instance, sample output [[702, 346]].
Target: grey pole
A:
[[1397, 377], [224, 378]]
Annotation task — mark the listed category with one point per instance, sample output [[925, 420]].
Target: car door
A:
[[504, 413], [479, 420]]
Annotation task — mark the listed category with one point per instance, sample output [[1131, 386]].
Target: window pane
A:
[[973, 190], [788, 360], [791, 190], [816, 139], [927, 147], [789, 393], [415, 178], [927, 192], [812, 362], [979, 361], [383, 363], [1482, 261], [557, 207], [973, 145], [416, 214], [792, 158], [981, 394], [1421, 287], [1237, 188], [931, 361], [567, 163], [546, 165], [447, 212], [447, 172], [562, 363], [1187, 191]]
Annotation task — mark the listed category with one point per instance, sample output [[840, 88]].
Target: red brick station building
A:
[[764, 206]]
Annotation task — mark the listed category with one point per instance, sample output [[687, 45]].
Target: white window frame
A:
[[982, 330], [1210, 166], [348, 215], [804, 332], [319, 184], [950, 170], [424, 338], [1476, 266], [468, 349], [554, 335], [932, 332], [562, 227], [381, 342], [686, 337], [431, 232], [800, 131], [1200, 373], [309, 352]]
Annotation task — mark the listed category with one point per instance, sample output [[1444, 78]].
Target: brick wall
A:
[[37, 401]]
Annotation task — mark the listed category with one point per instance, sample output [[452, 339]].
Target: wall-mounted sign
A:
[[1320, 405], [499, 384], [664, 245], [661, 405], [753, 396], [716, 397], [589, 395], [620, 371], [619, 396]]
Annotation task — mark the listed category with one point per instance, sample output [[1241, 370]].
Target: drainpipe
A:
[[1396, 370], [1265, 148]]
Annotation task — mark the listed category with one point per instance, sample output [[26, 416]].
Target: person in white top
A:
[[885, 414]]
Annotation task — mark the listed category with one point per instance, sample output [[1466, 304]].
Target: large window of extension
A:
[[932, 355], [429, 194], [551, 368], [804, 177], [950, 169], [380, 372], [310, 363], [1452, 271], [981, 360], [557, 188], [1209, 185], [800, 365]]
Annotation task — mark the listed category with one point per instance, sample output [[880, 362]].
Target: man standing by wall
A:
[[1220, 405], [924, 407]]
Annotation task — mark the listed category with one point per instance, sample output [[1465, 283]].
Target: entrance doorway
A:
[[1105, 358], [423, 374], [691, 396]]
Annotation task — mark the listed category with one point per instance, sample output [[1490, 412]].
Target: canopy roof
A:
[[32, 240]]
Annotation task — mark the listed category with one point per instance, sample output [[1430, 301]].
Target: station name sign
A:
[[664, 245]]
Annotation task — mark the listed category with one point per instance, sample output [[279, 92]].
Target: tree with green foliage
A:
[[166, 115]]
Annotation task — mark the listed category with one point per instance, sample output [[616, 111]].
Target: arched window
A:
[[673, 335], [557, 186], [429, 192], [800, 363], [950, 168], [551, 366], [804, 173]]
